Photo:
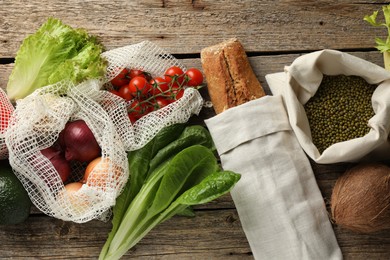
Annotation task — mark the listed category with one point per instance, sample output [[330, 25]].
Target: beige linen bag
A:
[[300, 81], [277, 198]]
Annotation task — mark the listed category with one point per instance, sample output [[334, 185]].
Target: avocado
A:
[[15, 203]]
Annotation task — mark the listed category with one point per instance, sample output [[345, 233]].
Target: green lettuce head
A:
[[55, 52]]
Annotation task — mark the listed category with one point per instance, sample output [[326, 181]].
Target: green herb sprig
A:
[[381, 44]]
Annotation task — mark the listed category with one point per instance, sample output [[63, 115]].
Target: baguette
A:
[[229, 75]]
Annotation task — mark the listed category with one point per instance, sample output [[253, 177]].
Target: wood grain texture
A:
[[209, 235], [274, 34], [189, 26], [214, 234]]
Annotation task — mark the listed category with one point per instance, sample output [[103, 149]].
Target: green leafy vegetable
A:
[[191, 135], [381, 44], [183, 175], [139, 165], [55, 52]]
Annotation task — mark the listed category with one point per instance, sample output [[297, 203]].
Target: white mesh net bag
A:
[[39, 119], [154, 60], [6, 110], [37, 123]]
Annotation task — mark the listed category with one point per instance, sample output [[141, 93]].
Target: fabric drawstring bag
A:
[[40, 117], [277, 198], [301, 80]]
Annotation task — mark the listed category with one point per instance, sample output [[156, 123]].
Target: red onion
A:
[[78, 142], [58, 160]]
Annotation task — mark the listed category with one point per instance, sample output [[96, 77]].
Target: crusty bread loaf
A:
[[229, 75]]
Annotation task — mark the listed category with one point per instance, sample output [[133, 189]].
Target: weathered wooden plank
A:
[[363, 246], [179, 237], [209, 235], [5, 71], [262, 65], [188, 26], [215, 234]]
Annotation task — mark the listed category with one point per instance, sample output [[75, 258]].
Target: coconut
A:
[[361, 198]]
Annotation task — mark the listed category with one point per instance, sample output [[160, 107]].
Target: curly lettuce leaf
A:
[[55, 52]]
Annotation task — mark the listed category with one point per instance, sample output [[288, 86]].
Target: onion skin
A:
[[361, 198], [102, 173], [78, 142], [59, 163], [79, 202]]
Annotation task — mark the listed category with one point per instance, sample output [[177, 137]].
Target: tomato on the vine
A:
[[138, 109], [125, 93], [115, 92], [193, 77], [174, 75], [121, 79], [139, 73], [178, 94], [139, 86], [147, 94], [160, 102], [172, 90], [159, 85], [132, 117]]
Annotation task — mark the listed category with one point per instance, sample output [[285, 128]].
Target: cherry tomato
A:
[[193, 77], [115, 92], [121, 79], [125, 93], [159, 85], [173, 89], [132, 118], [139, 73], [161, 102], [138, 109], [174, 74], [139, 86], [178, 93]]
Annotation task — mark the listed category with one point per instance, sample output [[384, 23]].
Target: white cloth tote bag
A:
[[277, 198], [300, 81]]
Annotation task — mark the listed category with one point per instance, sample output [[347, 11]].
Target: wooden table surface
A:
[[274, 33]]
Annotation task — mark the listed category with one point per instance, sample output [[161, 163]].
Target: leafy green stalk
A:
[[169, 181], [53, 53], [139, 160], [214, 186], [160, 149], [139, 167], [191, 177]]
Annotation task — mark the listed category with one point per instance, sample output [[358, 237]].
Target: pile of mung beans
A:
[[339, 110]]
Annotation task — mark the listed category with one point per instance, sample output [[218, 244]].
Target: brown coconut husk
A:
[[361, 198]]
